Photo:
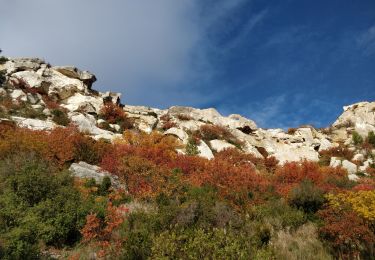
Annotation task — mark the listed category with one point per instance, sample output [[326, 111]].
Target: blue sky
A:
[[280, 63]]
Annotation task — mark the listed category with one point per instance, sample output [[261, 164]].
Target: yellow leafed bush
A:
[[361, 202]]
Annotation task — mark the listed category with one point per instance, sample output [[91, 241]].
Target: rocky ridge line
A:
[[36, 85]]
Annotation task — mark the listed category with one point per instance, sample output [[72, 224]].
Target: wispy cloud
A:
[[144, 49], [366, 41]]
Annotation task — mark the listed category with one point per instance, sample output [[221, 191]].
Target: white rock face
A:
[[78, 101], [349, 166], [179, 133], [361, 115], [34, 124], [71, 88], [87, 124], [210, 115], [335, 162], [18, 94], [365, 165], [359, 157], [17, 64], [63, 86], [220, 145], [73, 72], [353, 177], [52, 82], [87, 171], [145, 123], [205, 151]]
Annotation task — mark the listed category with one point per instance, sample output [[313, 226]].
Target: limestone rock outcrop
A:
[[87, 171], [42, 89]]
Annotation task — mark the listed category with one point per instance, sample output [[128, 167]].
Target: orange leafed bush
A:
[[102, 233], [347, 233], [238, 184], [340, 151], [211, 132], [114, 114], [291, 174]]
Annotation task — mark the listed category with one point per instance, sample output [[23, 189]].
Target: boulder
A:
[[19, 64], [29, 79], [335, 162], [144, 123], [83, 103], [359, 157], [365, 165], [361, 116], [34, 124], [211, 115], [205, 151], [220, 145], [353, 177], [72, 72], [87, 171], [179, 133], [64, 87], [87, 124], [349, 166], [18, 94], [113, 97]]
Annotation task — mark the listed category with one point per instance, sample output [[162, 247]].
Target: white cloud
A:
[[366, 41], [153, 51]]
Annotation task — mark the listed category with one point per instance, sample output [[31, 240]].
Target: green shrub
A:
[[307, 197], [38, 204], [371, 138], [200, 244], [357, 138], [191, 147], [279, 214], [105, 186], [2, 77], [60, 117]]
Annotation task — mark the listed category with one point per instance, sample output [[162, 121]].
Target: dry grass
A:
[[301, 244]]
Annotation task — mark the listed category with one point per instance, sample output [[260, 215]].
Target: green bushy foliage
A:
[[307, 196], [60, 117], [38, 204], [279, 214], [200, 244], [191, 147], [357, 138], [371, 138]]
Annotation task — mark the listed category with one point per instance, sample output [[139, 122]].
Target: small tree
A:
[[2, 72], [357, 138], [371, 138]]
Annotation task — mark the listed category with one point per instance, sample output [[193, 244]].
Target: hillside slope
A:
[[83, 176]]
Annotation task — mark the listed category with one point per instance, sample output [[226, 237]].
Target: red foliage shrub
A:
[[236, 157], [89, 150], [291, 174], [167, 122], [114, 114], [167, 125], [102, 233], [239, 184], [51, 104], [340, 151], [184, 117], [211, 132], [347, 233], [271, 163], [187, 164]]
